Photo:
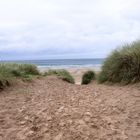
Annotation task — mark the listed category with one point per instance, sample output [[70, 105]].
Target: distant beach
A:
[[62, 63], [77, 67]]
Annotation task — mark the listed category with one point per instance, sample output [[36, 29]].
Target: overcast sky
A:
[[49, 29]]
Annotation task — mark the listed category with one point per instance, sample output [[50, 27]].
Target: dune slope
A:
[[51, 109]]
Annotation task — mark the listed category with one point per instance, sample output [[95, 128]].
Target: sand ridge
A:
[[51, 109]]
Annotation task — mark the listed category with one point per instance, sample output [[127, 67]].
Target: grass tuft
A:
[[122, 65], [88, 77], [63, 74], [9, 72]]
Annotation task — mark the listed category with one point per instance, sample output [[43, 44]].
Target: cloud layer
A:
[[42, 29]]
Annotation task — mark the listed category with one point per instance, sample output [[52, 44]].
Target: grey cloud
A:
[[57, 29]]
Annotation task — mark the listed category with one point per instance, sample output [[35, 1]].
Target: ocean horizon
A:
[[60, 63]]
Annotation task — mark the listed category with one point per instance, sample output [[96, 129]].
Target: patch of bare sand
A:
[[77, 73], [51, 109]]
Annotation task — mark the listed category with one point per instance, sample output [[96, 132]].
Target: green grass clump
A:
[[63, 74], [122, 65], [5, 80], [88, 77], [29, 69], [28, 78], [9, 72]]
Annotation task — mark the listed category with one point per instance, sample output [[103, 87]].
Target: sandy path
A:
[[77, 73], [50, 109]]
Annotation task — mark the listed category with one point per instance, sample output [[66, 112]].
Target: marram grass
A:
[[122, 65], [63, 74], [9, 72]]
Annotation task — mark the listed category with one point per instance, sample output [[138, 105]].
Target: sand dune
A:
[[51, 109], [77, 72]]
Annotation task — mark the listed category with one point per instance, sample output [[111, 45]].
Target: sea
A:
[[61, 63]]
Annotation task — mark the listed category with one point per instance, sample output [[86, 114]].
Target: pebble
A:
[[81, 122], [22, 123], [88, 114], [58, 137], [87, 119], [60, 109], [62, 124], [30, 133], [49, 118]]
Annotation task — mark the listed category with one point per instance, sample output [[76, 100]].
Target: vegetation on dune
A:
[[5, 80], [63, 74], [88, 77], [29, 69], [8, 72], [123, 65]]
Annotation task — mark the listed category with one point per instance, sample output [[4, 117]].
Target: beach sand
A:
[[51, 109]]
